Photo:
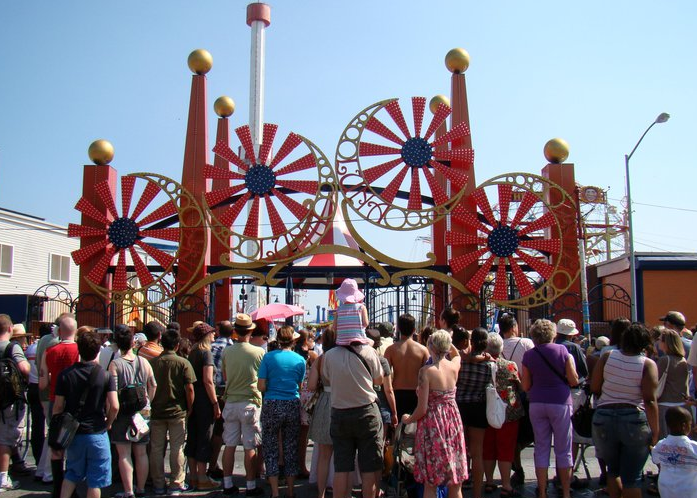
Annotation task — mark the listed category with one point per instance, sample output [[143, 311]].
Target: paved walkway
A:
[[303, 489]]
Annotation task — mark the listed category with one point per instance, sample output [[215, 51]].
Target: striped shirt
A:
[[349, 324], [622, 379]]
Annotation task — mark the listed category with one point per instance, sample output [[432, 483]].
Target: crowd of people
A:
[[204, 391]]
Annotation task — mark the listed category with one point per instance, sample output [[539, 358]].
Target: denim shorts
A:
[[89, 458], [622, 437]]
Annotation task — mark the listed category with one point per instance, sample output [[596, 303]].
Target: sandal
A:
[[490, 488], [509, 493]]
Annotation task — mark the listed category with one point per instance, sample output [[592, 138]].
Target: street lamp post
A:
[[662, 118]]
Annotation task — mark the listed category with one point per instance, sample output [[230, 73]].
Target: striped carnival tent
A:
[[339, 235]]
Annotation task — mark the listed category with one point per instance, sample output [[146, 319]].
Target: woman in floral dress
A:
[[440, 443]]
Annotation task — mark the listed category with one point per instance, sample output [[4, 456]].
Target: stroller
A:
[[402, 480]]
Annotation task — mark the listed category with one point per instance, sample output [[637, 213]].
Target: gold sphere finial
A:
[[200, 61], [224, 106], [436, 101], [457, 60], [101, 152], [556, 150]]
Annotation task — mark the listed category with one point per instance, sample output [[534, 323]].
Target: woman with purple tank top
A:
[[548, 371]]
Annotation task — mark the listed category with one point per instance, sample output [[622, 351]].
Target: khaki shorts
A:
[[11, 422], [241, 424]]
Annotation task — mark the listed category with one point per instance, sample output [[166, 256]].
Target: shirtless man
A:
[[406, 357]]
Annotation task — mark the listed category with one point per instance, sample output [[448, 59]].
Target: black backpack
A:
[[133, 397], [13, 385]]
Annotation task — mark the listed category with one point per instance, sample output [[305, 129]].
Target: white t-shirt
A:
[[514, 348], [677, 456], [105, 356], [692, 358]]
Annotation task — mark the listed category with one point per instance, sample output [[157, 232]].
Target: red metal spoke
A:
[[305, 162], [395, 113], [169, 208], [505, 196], [277, 225], [418, 106], [415, 190], [375, 172], [127, 185], [307, 186], [245, 136], [217, 196], [107, 198], [377, 126], [83, 231], [163, 233], [501, 284], [221, 173], [528, 201], [482, 201], [456, 176], [459, 263], [88, 209], [99, 271], [120, 279], [288, 146], [149, 192], [460, 131], [230, 215], [551, 246], [469, 219], [251, 229], [370, 149], [267, 141], [392, 188], [298, 210], [223, 150], [165, 260], [144, 275], [475, 283], [525, 288], [544, 221], [542, 267], [87, 252], [463, 239], [466, 155], [439, 195], [439, 117]]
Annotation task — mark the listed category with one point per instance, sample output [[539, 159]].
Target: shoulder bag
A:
[[495, 406], [662, 381]]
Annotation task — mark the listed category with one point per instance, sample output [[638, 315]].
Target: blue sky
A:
[[594, 73]]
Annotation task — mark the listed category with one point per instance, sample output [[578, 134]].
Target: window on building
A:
[[6, 259], [59, 270]]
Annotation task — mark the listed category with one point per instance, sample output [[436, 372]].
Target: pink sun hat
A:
[[348, 292]]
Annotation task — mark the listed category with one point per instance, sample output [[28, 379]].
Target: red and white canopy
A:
[[336, 234]]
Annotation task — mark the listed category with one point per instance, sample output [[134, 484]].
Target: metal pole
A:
[[582, 267], [630, 229]]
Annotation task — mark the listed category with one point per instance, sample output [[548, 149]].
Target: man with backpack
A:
[[14, 371]]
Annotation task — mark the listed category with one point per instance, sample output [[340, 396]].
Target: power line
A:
[[672, 208]]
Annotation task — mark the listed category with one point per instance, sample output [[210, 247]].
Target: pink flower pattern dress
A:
[[440, 442]]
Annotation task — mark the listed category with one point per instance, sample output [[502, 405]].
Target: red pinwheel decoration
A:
[[125, 234], [508, 241], [287, 186], [415, 157]]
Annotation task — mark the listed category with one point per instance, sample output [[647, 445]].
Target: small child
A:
[[351, 316], [677, 456]]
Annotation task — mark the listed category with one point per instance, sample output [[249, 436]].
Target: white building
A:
[[33, 253]]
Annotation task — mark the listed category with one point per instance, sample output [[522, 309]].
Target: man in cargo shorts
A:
[[242, 411], [352, 369]]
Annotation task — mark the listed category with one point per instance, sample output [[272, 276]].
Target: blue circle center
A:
[[260, 179], [416, 152], [123, 232], [503, 241]]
